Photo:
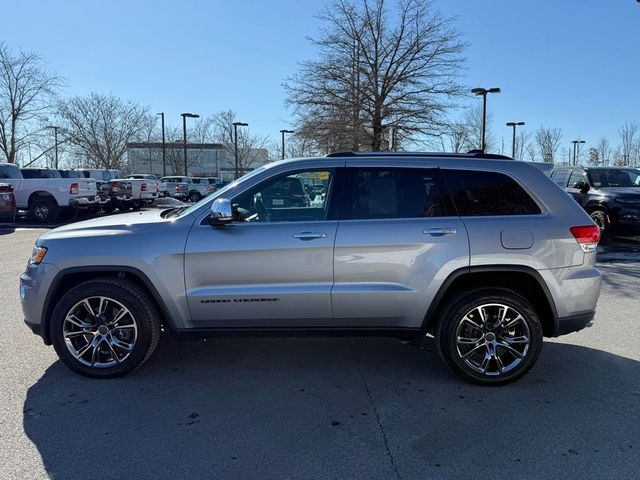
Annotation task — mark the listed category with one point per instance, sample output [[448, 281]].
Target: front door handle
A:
[[309, 235], [439, 231]]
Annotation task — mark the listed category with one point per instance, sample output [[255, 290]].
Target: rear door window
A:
[[377, 193], [478, 193]]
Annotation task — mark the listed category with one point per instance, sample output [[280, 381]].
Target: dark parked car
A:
[[611, 196]]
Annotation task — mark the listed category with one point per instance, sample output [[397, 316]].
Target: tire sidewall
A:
[[51, 209], [135, 301], [446, 335], [605, 229]]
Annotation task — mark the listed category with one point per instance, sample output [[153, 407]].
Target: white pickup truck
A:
[[47, 194], [151, 180], [143, 190]]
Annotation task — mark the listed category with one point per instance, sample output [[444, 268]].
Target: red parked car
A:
[[7, 202]]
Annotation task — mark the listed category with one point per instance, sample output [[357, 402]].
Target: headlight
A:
[[37, 255]]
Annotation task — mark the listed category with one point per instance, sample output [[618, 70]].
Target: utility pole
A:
[[513, 141], [55, 136], [283, 132], [235, 135], [184, 135], [484, 92], [164, 147], [576, 150]]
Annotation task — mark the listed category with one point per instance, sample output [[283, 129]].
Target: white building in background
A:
[[203, 159]]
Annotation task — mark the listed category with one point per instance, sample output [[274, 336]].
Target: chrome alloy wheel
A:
[[492, 339], [100, 332], [42, 211]]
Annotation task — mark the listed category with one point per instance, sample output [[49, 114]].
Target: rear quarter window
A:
[[10, 171], [478, 193]]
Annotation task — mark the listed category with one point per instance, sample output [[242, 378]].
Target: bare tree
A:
[[466, 134], [548, 140], [252, 149], [628, 132], [27, 91], [376, 72], [457, 136], [604, 151], [473, 121], [100, 126]]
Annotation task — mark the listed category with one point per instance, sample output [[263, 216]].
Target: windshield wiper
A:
[[172, 212]]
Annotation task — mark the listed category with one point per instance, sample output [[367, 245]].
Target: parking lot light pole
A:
[[55, 136], [164, 147], [235, 137], [575, 150], [283, 132], [484, 92], [513, 141], [184, 135]]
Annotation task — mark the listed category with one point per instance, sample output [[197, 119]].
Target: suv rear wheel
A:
[[44, 209], [602, 221], [105, 328], [489, 336]]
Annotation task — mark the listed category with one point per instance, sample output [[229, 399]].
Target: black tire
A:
[[137, 204], [68, 214], [458, 318], [117, 360], [601, 219], [44, 209], [93, 210], [108, 207], [195, 196]]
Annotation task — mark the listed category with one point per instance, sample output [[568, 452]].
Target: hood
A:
[[622, 191], [109, 225]]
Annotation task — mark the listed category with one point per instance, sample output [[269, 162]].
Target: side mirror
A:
[[582, 186], [221, 212]]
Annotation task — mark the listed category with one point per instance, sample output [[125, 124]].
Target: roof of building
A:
[[176, 145]]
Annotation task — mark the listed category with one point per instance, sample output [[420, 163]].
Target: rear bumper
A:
[[575, 322], [83, 201]]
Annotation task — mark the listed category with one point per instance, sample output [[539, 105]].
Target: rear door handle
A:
[[309, 235], [439, 231]]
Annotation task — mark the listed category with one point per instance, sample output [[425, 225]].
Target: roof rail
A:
[[471, 154]]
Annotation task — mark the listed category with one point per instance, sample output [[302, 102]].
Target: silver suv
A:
[[484, 253]]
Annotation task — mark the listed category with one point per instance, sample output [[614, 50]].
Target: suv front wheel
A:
[[105, 328], [489, 336]]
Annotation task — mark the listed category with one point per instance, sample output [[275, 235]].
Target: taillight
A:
[[74, 189], [115, 186], [143, 187], [587, 236], [177, 188]]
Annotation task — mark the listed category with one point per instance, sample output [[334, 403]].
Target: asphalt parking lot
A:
[[302, 408]]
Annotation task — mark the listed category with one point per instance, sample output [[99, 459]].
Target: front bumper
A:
[[35, 283]]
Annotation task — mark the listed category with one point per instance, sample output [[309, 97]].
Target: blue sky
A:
[[573, 64]]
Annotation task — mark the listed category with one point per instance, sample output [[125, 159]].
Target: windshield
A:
[[614, 177], [224, 190]]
